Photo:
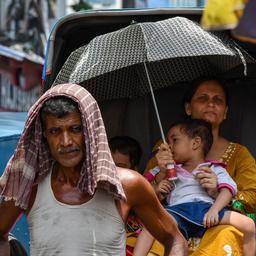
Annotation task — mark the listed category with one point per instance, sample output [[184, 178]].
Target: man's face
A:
[[65, 139], [121, 160]]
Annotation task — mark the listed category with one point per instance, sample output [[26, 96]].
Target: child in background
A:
[[126, 152], [189, 204]]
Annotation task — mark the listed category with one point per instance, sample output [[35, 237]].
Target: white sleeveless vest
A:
[[57, 229]]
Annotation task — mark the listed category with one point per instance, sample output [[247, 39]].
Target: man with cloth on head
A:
[[62, 176]]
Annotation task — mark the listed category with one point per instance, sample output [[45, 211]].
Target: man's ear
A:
[[187, 109], [196, 143]]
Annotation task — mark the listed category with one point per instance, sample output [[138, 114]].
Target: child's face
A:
[[180, 144], [121, 160]]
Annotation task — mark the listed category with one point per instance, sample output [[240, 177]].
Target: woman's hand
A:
[[208, 180], [164, 157]]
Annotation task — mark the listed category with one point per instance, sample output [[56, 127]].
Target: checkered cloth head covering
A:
[[32, 160]]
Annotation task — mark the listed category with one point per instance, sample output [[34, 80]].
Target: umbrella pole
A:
[[154, 103], [170, 171]]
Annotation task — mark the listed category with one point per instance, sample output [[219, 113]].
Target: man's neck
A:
[[64, 182], [66, 175]]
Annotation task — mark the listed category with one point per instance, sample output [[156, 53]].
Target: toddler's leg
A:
[[143, 244], [246, 226]]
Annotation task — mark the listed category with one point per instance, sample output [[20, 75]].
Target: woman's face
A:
[[208, 103]]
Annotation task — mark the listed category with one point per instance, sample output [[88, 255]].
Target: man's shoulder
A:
[[132, 181], [136, 188], [128, 176]]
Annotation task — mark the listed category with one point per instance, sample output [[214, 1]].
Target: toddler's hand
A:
[[164, 157], [164, 187], [211, 218]]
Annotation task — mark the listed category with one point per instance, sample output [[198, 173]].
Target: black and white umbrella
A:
[[147, 56]]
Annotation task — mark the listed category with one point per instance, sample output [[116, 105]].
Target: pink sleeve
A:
[[229, 187], [151, 174]]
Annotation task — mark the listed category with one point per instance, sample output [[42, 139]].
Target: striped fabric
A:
[[32, 160]]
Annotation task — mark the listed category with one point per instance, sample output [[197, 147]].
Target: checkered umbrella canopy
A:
[[175, 50]]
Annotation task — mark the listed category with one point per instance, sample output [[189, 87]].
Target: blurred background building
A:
[[24, 29]]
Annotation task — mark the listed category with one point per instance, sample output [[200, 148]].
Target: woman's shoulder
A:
[[241, 149], [236, 151]]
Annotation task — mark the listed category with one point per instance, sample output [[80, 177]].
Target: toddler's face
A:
[[180, 144]]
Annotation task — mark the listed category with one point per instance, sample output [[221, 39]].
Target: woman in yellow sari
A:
[[208, 100]]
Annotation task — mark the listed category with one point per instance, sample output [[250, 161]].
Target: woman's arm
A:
[[242, 168]]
